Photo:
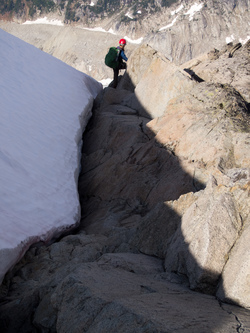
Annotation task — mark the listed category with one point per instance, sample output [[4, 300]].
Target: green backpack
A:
[[111, 58]]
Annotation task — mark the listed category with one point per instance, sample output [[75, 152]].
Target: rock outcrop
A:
[[164, 190]]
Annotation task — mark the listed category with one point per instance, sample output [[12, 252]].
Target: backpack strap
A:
[[118, 53]]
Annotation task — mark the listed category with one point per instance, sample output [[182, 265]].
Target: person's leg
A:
[[115, 82], [122, 65]]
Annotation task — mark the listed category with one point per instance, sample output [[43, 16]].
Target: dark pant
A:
[[122, 65]]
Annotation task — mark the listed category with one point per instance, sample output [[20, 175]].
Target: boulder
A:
[[208, 230], [138, 63], [234, 284], [156, 71]]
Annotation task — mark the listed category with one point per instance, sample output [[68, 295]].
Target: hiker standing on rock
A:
[[114, 59], [121, 63]]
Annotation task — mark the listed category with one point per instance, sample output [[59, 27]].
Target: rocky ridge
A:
[[164, 190]]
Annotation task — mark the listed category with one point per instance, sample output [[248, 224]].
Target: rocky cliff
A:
[[180, 30], [163, 243], [198, 28]]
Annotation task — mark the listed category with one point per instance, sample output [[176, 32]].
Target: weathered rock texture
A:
[[208, 28], [164, 190]]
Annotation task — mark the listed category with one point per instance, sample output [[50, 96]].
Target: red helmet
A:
[[122, 41]]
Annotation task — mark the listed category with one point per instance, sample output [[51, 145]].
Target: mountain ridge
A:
[[84, 12], [180, 32]]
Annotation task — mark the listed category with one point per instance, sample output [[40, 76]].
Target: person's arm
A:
[[123, 55]]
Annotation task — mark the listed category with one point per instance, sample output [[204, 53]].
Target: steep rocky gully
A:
[[163, 243]]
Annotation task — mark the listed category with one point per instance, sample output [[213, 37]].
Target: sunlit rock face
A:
[[207, 128]]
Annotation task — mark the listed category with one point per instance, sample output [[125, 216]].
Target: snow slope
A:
[[44, 107]]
